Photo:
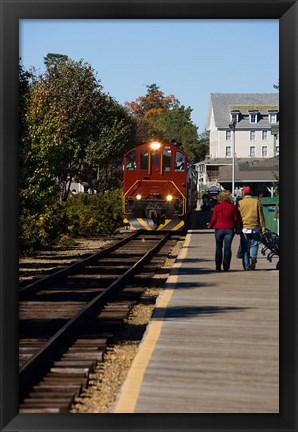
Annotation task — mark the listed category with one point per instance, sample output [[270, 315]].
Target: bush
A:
[[80, 216], [94, 214], [41, 230]]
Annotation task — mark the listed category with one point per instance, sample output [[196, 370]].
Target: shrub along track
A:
[[69, 364]]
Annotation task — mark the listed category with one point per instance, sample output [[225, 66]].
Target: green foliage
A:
[[70, 130], [81, 215], [41, 230], [73, 129], [160, 117], [90, 215], [62, 117], [198, 150], [102, 166], [176, 125]]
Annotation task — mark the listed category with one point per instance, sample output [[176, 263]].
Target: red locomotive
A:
[[159, 187]]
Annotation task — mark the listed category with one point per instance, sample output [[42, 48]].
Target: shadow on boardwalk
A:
[[189, 311]]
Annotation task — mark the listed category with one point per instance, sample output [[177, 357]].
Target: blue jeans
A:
[[223, 238], [249, 244]]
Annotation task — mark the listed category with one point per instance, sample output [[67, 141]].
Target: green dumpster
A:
[[271, 213]]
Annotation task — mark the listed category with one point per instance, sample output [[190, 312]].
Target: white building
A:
[[256, 128], [256, 135]]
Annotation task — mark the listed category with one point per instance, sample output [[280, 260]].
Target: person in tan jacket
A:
[[253, 225]]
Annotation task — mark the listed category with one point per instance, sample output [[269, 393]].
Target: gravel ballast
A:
[[105, 382]]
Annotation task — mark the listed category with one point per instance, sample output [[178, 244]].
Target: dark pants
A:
[[223, 238], [249, 244]]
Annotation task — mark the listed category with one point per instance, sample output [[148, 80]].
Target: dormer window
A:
[[272, 116], [235, 116], [253, 117]]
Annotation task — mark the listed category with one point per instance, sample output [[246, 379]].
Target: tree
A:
[[147, 109], [154, 102], [53, 60], [200, 151], [102, 167], [71, 122], [35, 183], [161, 117]]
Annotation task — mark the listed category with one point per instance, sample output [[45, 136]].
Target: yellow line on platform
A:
[[127, 400]]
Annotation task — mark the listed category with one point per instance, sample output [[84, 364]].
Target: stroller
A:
[[270, 242]]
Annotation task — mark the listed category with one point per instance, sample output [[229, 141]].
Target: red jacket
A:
[[225, 215]]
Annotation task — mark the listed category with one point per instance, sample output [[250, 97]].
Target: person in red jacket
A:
[[224, 220]]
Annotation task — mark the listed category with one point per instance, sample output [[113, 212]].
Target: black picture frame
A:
[[287, 13]]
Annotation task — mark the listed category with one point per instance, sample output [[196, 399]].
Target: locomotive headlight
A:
[[138, 197], [169, 197], [155, 145]]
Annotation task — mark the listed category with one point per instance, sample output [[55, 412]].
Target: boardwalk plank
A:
[[218, 351]]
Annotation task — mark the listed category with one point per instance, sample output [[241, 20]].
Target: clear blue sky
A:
[[187, 58]]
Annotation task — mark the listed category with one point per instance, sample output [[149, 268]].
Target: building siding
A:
[[222, 104]]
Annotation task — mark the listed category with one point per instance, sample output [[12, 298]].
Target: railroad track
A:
[[68, 317]]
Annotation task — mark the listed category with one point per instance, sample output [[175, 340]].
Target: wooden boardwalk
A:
[[213, 343]]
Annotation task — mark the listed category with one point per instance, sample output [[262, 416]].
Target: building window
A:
[[277, 136], [264, 151], [264, 135], [228, 151], [277, 150], [228, 135], [253, 117], [272, 117], [235, 116], [252, 151], [252, 135]]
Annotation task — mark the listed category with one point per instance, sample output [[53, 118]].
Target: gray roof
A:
[[224, 103], [252, 169]]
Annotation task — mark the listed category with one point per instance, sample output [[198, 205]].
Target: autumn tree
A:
[[154, 102], [147, 109], [162, 117]]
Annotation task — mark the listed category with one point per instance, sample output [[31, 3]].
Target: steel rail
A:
[[86, 312], [52, 278]]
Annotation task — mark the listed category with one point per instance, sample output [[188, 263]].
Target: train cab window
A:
[[144, 160], [131, 160], [155, 159], [166, 160], [179, 161]]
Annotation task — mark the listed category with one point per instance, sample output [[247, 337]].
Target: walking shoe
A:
[[253, 262], [226, 268]]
